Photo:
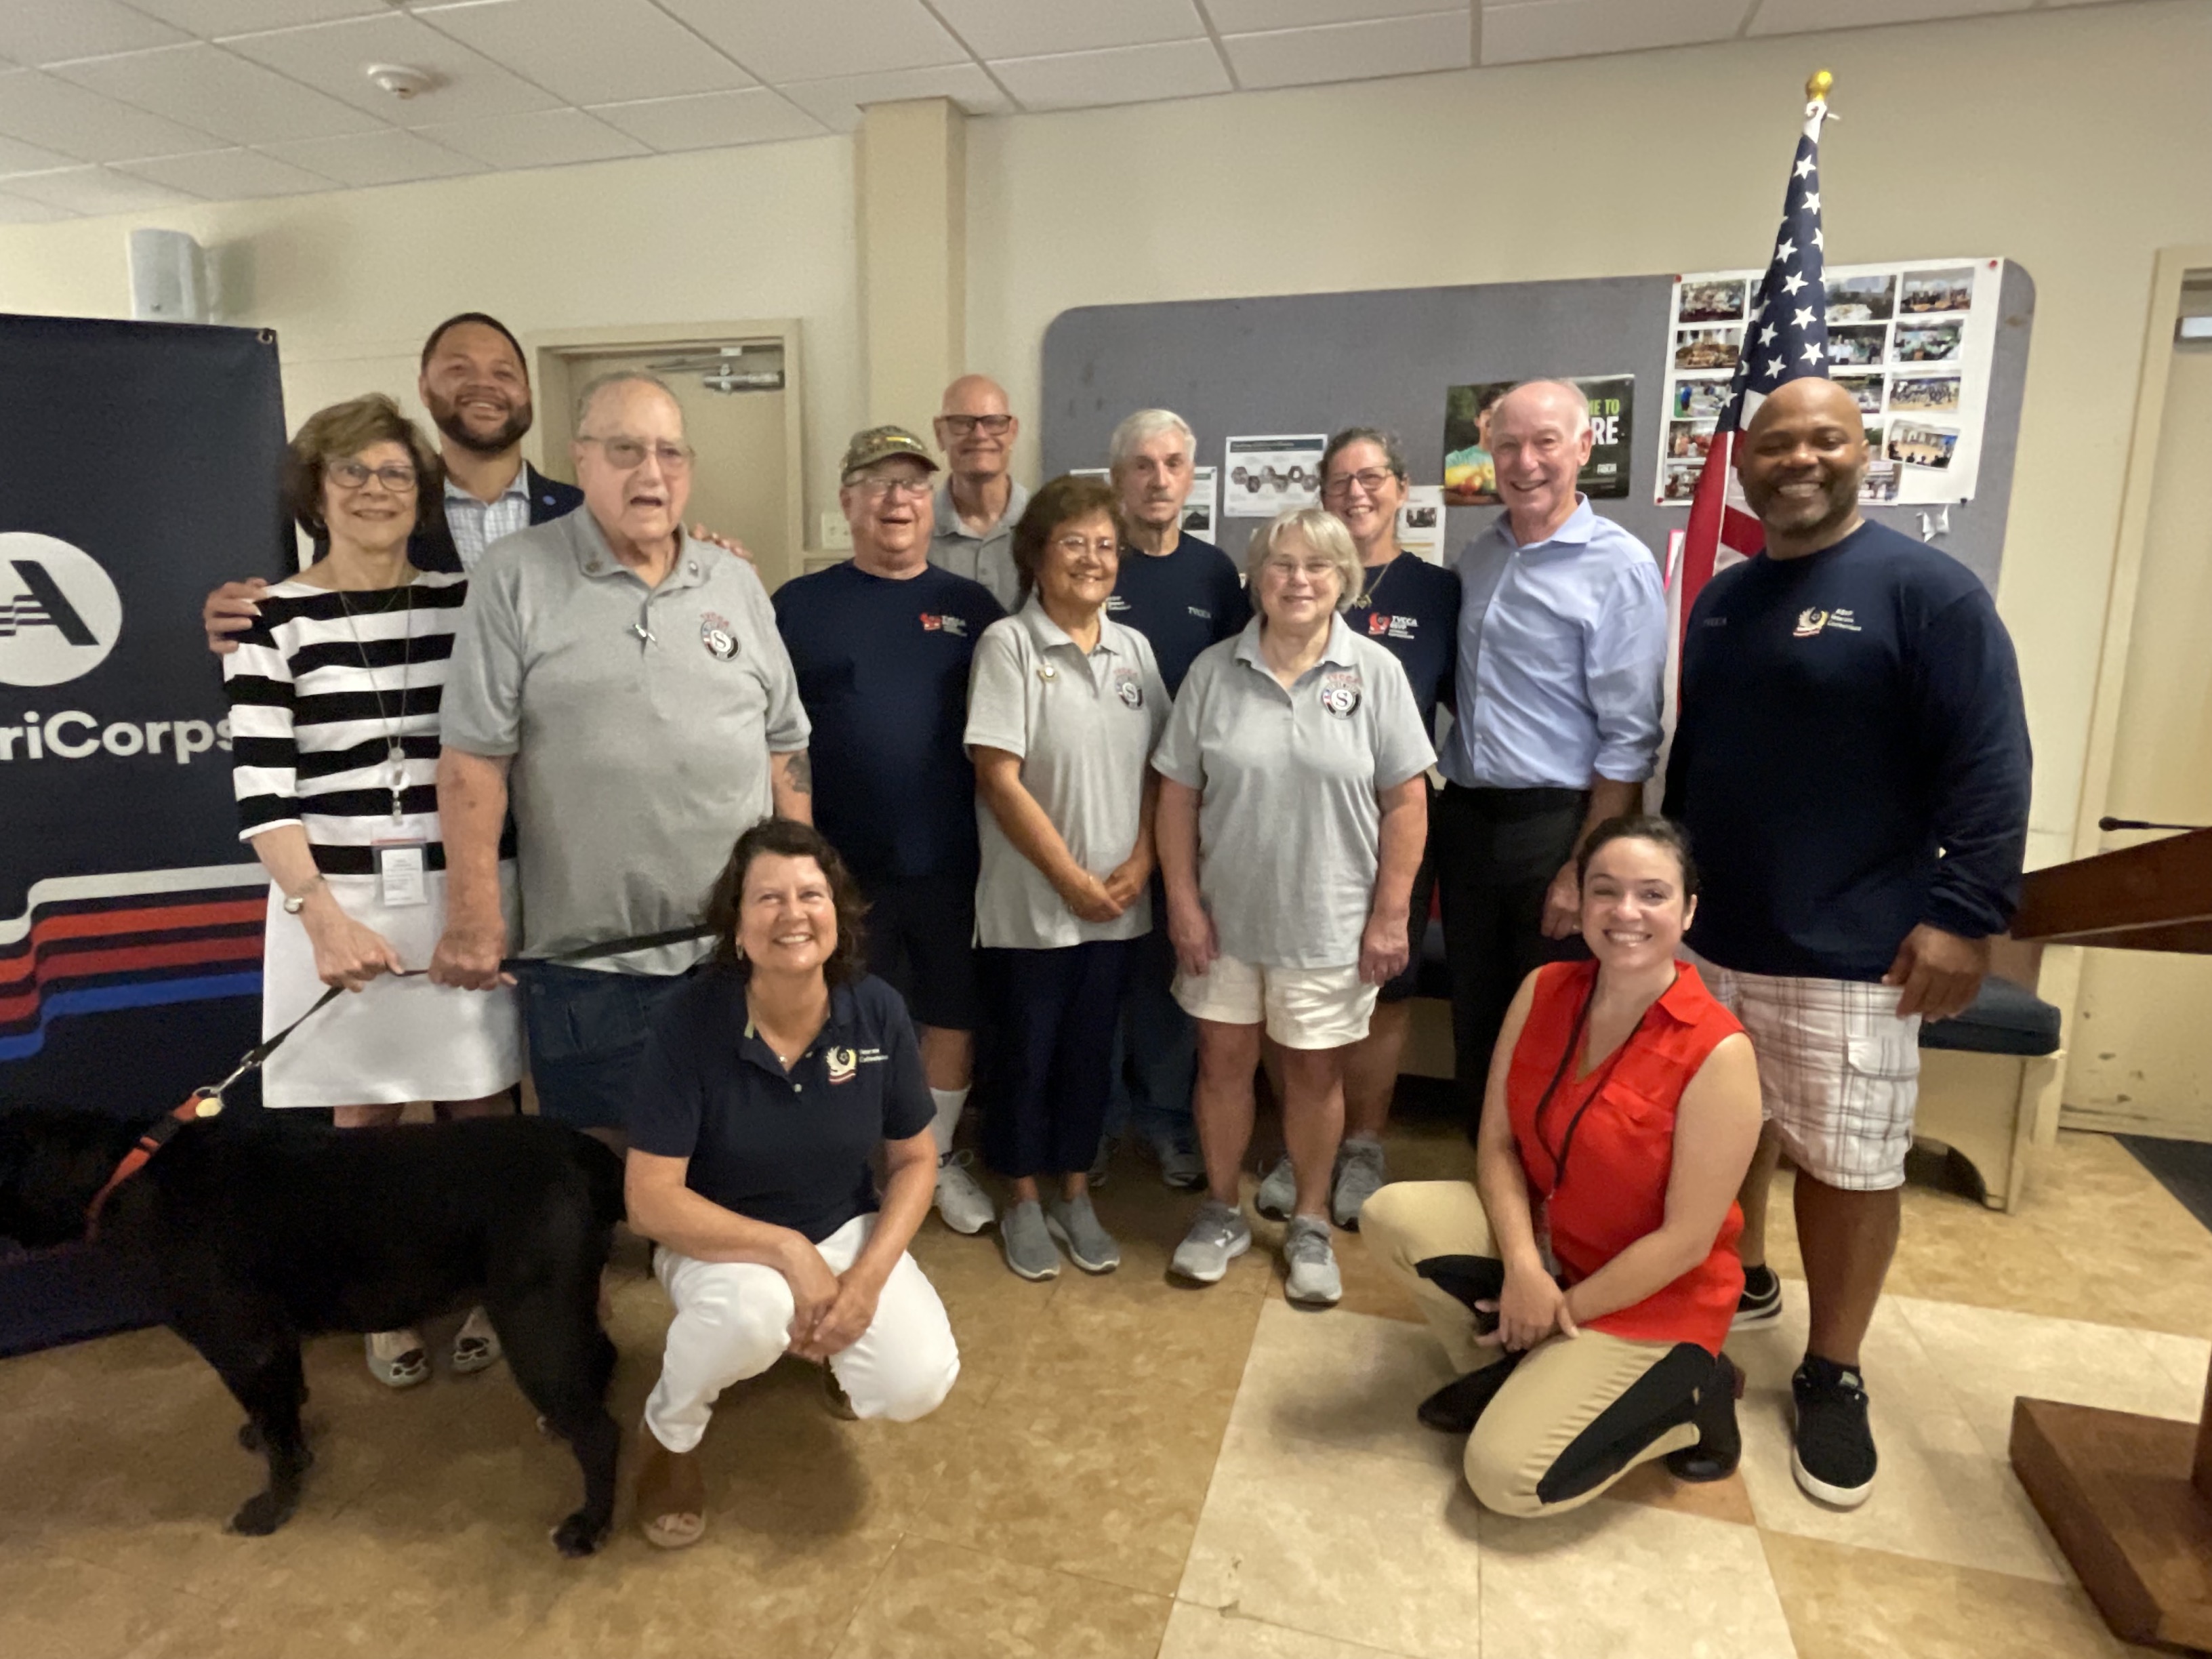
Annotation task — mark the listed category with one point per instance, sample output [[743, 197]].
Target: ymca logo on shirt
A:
[[1811, 621], [1339, 692], [1129, 687], [1380, 627], [956, 626], [1200, 612], [717, 636]]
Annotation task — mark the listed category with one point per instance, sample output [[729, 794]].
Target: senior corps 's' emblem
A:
[[843, 1064], [1128, 687], [1339, 692], [717, 636]]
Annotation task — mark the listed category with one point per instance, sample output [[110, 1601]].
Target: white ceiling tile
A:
[[1031, 28], [377, 158], [334, 57], [229, 175], [1799, 17], [207, 87], [17, 157], [51, 31], [1122, 75], [22, 210], [211, 19], [711, 120], [780, 40], [1523, 33], [94, 190], [1351, 51], [1256, 16], [56, 115], [592, 52], [837, 101], [551, 137]]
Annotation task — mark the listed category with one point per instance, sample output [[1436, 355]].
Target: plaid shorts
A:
[[1839, 1071]]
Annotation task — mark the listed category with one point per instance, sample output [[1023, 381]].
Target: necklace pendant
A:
[[395, 812]]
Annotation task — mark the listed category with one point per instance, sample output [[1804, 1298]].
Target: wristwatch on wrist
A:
[[296, 903]]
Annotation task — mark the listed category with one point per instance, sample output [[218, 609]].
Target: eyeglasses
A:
[[875, 489], [1076, 546], [961, 426], [1370, 480], [352, 475], [624, 453]]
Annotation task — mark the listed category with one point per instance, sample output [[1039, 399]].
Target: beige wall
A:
[[2074, 141]]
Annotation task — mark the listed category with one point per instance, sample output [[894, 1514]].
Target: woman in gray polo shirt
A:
[[1064, 706], [1292, 814]]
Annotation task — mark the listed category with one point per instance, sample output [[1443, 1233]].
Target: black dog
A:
[[262, 1231]]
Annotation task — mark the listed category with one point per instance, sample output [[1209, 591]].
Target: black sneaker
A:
[[1761, 1301], [1833, 1455]]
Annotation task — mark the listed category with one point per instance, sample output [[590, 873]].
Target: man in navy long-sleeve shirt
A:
[[1851, 762]]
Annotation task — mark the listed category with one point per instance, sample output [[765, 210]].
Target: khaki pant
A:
[[1577, 1413]]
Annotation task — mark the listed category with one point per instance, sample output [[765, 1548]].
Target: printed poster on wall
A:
[[1421, 522], [1270, 475], [1198, 508], [1470, 475], [1912, 341]]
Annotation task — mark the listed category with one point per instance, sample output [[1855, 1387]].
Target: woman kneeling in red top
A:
[[1586, 1288]]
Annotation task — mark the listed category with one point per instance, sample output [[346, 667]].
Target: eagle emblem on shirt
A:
[[718, 636], [843, 1064]]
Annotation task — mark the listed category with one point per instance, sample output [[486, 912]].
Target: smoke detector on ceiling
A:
[[400, 80]]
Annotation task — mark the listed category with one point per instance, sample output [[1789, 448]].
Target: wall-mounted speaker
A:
[[168, 278]]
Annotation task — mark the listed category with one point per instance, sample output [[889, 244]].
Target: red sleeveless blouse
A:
[[1613, 1190]]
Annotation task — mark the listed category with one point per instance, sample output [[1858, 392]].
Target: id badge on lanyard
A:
[[403, 871]]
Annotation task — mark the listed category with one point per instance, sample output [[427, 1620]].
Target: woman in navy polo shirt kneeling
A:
[[768, 1084]]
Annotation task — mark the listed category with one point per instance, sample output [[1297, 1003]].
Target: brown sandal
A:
[[671, 1497]]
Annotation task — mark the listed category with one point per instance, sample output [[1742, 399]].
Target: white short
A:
[[1304, 1007], [1839, 1071]]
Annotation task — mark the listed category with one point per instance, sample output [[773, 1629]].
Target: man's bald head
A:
[[1544, 400], [974, 428], [974, 394], [1801, 459], [1539, 440]]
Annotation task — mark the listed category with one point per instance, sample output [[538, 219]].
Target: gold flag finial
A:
[[1817, 87]]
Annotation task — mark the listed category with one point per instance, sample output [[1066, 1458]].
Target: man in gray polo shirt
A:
[[626, 684], [978, 503]]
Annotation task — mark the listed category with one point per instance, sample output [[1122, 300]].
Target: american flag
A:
[[1786, 339]]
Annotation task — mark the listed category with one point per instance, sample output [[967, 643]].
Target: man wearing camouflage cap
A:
[[881, 645]]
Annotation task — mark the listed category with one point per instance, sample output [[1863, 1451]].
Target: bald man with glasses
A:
[[978, 502]]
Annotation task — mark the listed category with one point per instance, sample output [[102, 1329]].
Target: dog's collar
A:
[[202, 1102]]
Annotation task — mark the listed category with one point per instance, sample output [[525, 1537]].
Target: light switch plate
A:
[[837, 534]]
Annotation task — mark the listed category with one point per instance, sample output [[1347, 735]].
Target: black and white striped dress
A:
[[334, 728]]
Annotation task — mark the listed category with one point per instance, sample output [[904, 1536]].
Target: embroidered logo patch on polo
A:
[[1128, 687], [956, 626], [717, 636], [843, 1062], [1339, 692]]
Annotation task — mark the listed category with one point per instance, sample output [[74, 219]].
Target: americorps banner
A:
[[139, 466]]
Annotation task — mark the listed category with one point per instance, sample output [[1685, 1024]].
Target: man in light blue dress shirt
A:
[[1562, 646]]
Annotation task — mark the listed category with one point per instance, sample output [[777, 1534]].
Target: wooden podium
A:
[[2128, 1497]]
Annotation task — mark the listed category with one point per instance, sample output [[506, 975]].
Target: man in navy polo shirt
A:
[[881, 645], [1182, 594]]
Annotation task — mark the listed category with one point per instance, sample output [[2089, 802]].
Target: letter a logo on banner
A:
[[59, 612]]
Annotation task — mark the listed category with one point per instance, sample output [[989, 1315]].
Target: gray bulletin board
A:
[[1314, 362]]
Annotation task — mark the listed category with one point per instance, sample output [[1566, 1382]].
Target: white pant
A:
[[733, 1321]]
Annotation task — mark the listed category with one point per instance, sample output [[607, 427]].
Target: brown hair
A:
[[788, 838], [343, 431], [1061, 501], [1642, 826]]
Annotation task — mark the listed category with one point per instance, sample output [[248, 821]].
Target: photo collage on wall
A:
[[1911, 341]]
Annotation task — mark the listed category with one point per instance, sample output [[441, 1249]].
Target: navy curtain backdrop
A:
[[139, 466]]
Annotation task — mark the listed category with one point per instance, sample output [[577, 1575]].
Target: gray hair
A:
[[1575, 395], [599, 383], [1321, 531], [1148, 424], [1393, 453]]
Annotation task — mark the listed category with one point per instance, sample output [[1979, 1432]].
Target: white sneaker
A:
[[960, 1203]]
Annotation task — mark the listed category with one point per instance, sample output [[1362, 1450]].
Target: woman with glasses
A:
[[1411, 609], [334, 695], [1292, 812], [1064, 706]]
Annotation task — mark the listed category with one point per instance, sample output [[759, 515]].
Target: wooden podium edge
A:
[[2115, 1490]]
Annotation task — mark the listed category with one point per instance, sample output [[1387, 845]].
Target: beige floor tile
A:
[[1196, 1632], [51, 1607], [1627, 1578], [1846, 1603], [1350, 1544], [2188, 1359], [1715, 1500], [1989, 1357], [1939, 1496], [1346, 1381], [938, 1602]]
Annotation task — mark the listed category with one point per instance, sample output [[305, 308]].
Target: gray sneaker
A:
[[1217, 1238], [1183, 1166], [1313, 1280], [1359, 1173], [1102, 1161], [1027, 1245], [1279, 1191], [1075, 1224]]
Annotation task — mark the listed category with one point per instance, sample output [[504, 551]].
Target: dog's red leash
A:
[[208, 1103]]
